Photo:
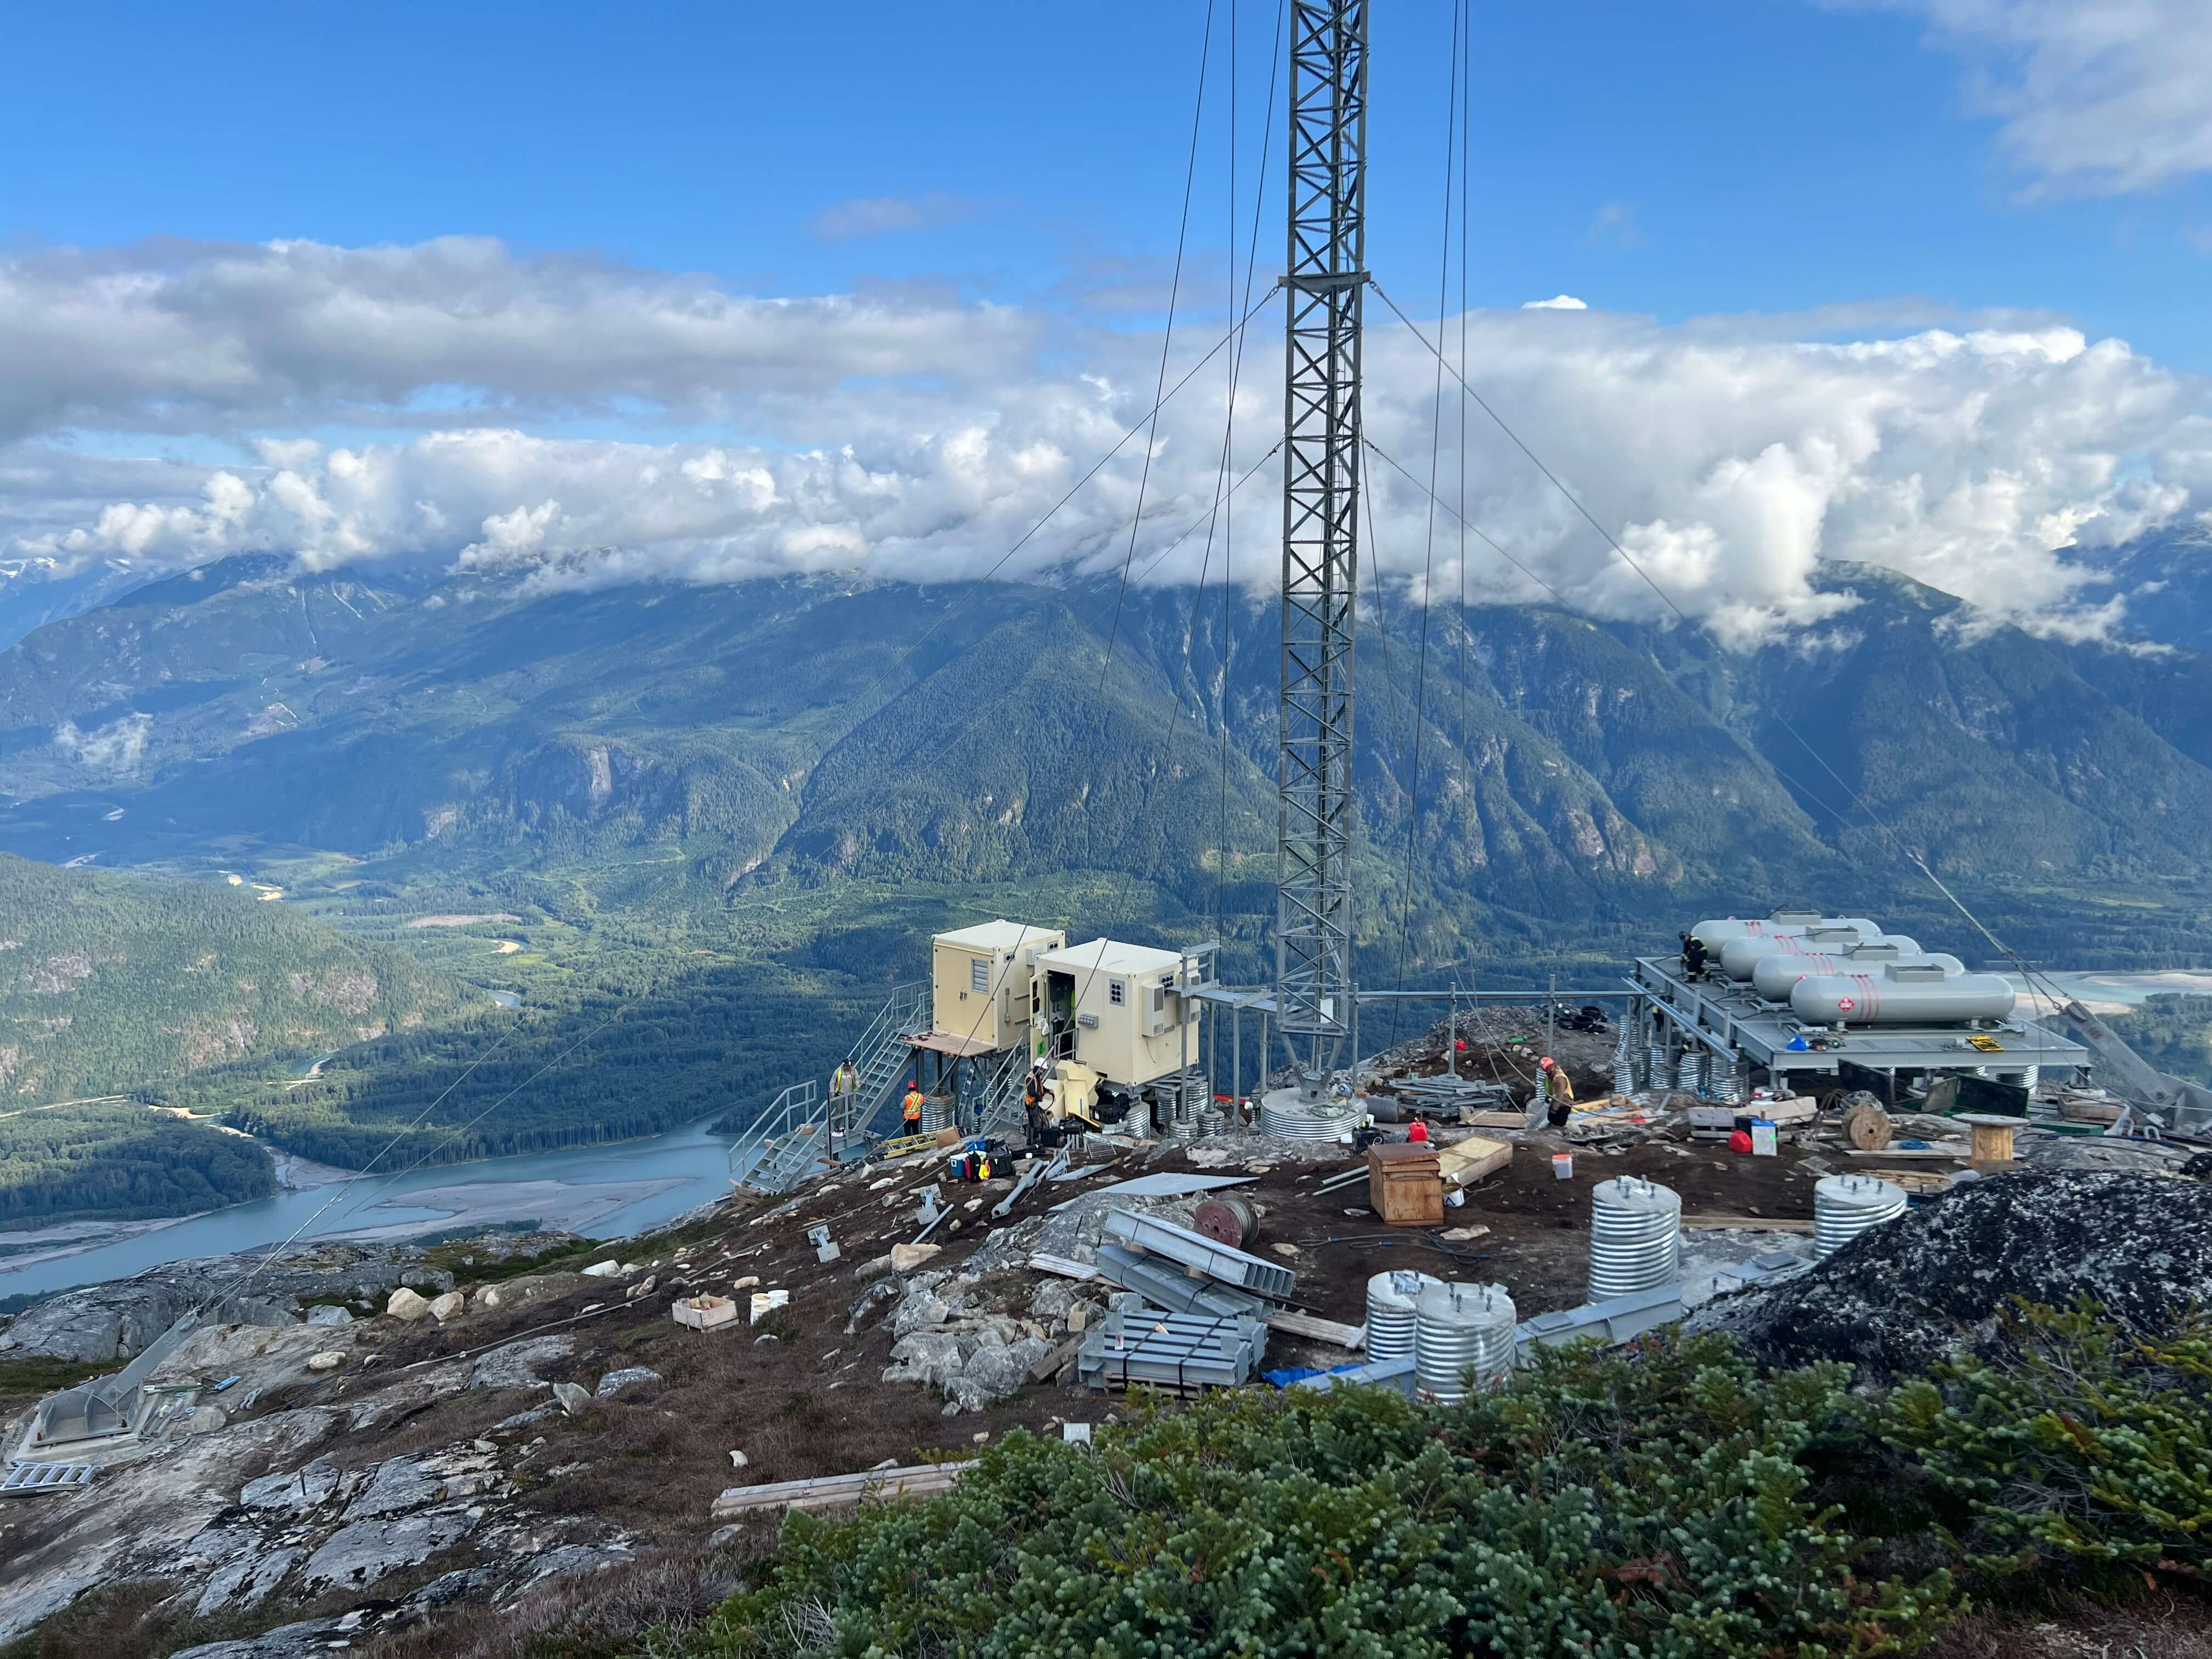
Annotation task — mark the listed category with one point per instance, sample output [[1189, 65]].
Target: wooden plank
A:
[[1465, 1161], [1954, 1152], [914, 1480], [1063, 1267], [1320, 1330], [1494, 1119]]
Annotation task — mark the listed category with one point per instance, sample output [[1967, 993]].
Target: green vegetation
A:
[[2173, 1031], [107, 982], [1665, 1500], [121, 1161], [2083, 1447], [731, 815]]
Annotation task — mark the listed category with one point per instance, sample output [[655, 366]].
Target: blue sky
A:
[[1672, 159], [694, 292]]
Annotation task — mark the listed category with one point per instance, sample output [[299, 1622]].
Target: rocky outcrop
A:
[[950, 1342], [1937, 1279], [114, 1321]]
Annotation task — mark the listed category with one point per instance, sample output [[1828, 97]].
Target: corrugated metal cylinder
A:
[[1390, 1312], [1636, 1237], [1844, 1207], [1459, 1328]]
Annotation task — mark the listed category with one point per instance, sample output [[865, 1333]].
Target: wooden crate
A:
[[1405, 1184]]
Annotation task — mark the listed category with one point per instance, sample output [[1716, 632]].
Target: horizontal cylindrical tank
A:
[[1774, 975], [1739, 957], [1716, 931], [1901, 994]]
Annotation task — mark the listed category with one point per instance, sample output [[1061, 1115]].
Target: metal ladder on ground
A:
[[795, 1131]]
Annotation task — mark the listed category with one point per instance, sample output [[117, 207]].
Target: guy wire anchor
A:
[[819, 1238], [933, 1210]]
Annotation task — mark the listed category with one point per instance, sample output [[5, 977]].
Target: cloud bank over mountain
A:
[[459, 404]]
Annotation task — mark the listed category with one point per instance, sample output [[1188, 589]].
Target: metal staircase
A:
[[998, 1106], [796, 1130]]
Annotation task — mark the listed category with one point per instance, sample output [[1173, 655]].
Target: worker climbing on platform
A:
[[1693, 955], [1558, 1091], [912, 1107]]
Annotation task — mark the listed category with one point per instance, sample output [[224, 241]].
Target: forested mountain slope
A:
[[108, 982]]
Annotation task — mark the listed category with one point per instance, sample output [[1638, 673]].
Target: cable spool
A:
[[1690, 1075], [933, 1113], [1459, 1328], [1636, 1237], [1725, 1082], [1390, 1312], [1658, 1067], [1844, 1207], [1228, 1219], [2026, 1077]]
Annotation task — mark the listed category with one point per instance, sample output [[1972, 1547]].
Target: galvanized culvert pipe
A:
[[1844, 1207], [1391, 1297], [1459, 1329], [1636, 1237]]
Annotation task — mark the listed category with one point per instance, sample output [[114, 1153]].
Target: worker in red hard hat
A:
[[913, 1108], [1558, 1091]]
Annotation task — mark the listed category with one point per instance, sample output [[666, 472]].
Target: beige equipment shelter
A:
[[1122, 1006], [979, 985]]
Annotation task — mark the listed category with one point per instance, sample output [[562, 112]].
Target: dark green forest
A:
[[2173, 1032], [120, 1161]]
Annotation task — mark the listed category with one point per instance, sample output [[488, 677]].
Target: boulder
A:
[[571, 1399], [406, 1304], [616, 1382], [529, 1290], [447, 1306], [905, 1258], [603, 1270], [328, 1360], [932, 1358], [519, 1364], [994, 1371], [329, 1314]]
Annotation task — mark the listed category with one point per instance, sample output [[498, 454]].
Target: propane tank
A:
[[1717, 933], [1771, 979], [1901, 993], [1741, 954]]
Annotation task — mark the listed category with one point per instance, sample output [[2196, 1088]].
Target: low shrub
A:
[[1650, 1501], [2084, 1449]]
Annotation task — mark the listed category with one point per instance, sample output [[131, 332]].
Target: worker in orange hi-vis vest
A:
[[913, 1109]]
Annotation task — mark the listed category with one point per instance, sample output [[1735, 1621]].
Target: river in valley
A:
[[601, 1192]]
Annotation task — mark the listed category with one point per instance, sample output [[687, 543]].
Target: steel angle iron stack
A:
[[1462, 1331], [1182, 1352], [1636, 1237], [1391, 1297], [1844, 1207]]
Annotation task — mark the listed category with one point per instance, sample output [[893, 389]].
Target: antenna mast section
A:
[[1326, 278]]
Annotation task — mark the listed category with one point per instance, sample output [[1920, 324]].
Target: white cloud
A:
[[2096, 97], [1556, 302], [890, 215], [1727, 455], [116, 747]]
